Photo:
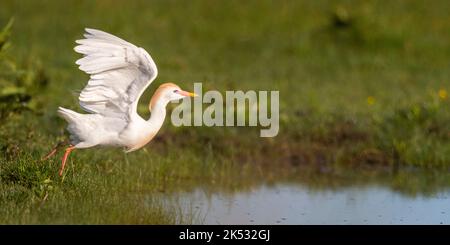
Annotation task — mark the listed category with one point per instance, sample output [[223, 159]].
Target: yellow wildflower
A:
[[370, 100], [442, 94]]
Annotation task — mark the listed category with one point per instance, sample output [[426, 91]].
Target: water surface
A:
[[296, 204]]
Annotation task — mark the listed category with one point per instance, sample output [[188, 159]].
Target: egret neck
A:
[[157, 116], [149, 128]]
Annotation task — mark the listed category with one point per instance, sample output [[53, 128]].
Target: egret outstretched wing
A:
[[119, 74]]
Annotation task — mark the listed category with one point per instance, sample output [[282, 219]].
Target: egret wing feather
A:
[[119, 74]]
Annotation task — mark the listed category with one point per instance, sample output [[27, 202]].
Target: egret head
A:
[[167, 92]]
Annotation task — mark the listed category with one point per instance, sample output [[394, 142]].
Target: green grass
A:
[[359, 86]]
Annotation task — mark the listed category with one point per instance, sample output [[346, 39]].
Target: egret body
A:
[[119, 74]]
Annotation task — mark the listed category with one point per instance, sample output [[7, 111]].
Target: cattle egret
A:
[[119, 74]]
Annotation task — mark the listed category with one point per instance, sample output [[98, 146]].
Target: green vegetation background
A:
[[363, 100]]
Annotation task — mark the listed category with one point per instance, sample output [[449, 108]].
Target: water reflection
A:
[[296, 204]]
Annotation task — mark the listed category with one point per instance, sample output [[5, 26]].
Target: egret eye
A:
[[175, 91]]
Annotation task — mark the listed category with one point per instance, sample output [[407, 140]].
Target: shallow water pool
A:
[[296, 204]]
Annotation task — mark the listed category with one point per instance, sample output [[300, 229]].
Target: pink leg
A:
[[54, 150], [50, 154], [64, 159]]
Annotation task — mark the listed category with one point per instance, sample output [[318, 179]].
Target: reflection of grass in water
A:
[[354, 86]]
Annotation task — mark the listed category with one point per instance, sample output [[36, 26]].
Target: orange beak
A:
[[187, 94]]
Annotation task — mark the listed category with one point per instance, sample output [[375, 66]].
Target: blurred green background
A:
[[363, 100]]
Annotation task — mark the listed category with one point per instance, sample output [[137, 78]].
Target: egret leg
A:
[[64, 159], [54, 150]]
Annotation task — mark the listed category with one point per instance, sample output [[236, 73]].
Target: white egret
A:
[[119, 74]]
